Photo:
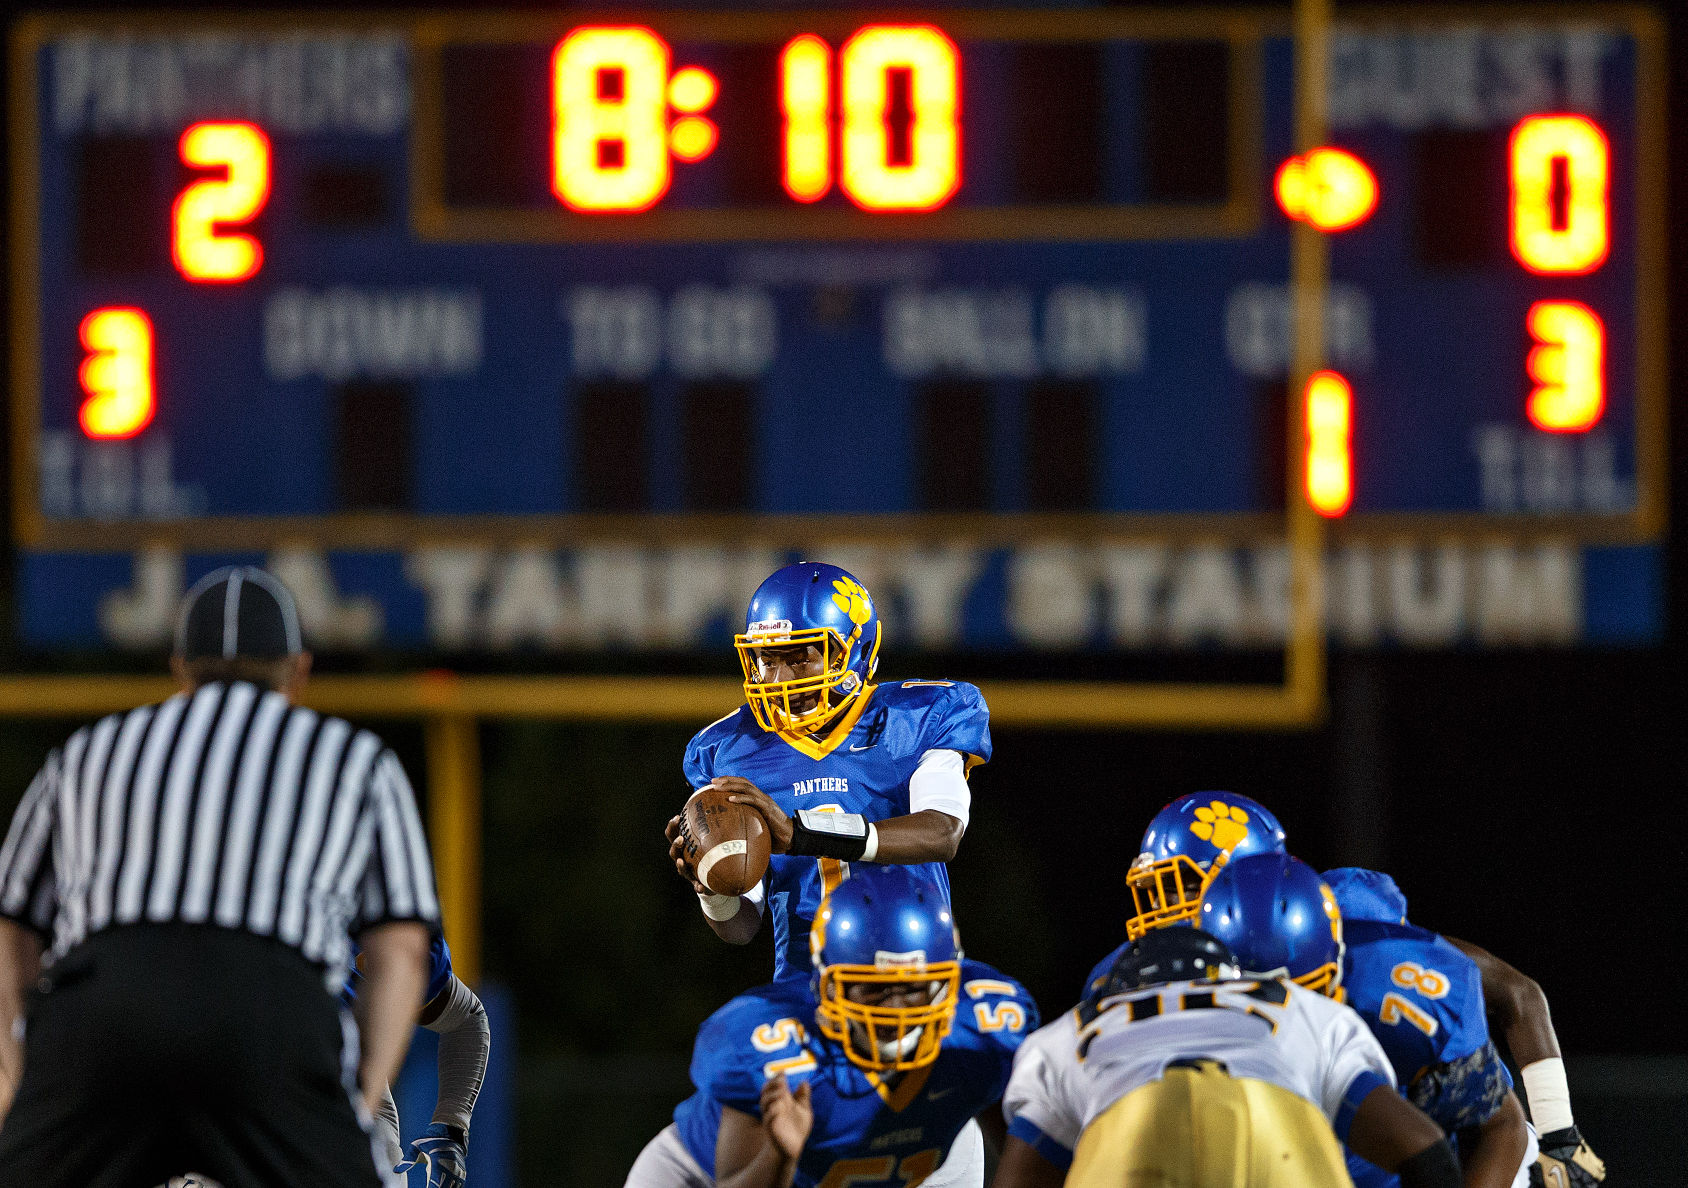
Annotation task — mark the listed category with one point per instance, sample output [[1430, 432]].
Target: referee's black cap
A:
[[239, 610]]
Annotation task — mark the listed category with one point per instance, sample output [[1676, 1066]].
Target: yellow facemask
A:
[[833, 687], [888, 1039], [1167, 892]]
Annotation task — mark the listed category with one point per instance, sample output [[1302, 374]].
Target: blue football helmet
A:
[[1186, 845], [879, 935], [813, 606], [1279, 918], [1367, 895]]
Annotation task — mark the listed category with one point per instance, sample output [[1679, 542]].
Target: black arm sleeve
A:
[[1433, 1167]]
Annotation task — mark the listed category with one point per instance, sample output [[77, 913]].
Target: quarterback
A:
[[843, 770]]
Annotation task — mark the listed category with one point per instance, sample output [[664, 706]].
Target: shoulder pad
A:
[[700, 750], [1100, 971], [923, 691], [720, 730], [1441, 987], [954, 716], [755, 1036], [994, 1005], [763, 1002]]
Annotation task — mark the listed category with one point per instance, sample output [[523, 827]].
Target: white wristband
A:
[[719, 907], [872, 849], [1548, 1094]]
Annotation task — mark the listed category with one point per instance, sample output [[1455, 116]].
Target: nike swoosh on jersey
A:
[[869, 747], [937, 1093]]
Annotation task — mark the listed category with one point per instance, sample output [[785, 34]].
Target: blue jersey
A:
[[862, 766], [897, 1132], [439, 972], [1423, 999]]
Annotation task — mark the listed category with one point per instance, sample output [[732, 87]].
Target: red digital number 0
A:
[[1568, 154]]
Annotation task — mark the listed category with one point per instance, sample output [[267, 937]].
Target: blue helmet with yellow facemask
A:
[[1279, 918], [807, 615], [1187, 843], [887, 968]]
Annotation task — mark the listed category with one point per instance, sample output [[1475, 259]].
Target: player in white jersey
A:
[[1179, 1073]]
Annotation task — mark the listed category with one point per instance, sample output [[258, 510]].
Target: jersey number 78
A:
[[1396, 1009]]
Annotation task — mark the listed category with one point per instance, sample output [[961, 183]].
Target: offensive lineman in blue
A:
[[1418, 995], [1423, 999], [893, 1045], [1185, 847], [1438, 1044], [844, 770]]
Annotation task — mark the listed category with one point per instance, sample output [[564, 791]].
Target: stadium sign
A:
[[1139, 594]]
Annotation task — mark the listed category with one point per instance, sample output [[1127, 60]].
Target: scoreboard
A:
[[364, 281]]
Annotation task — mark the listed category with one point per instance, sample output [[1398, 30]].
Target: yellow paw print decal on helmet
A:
[[852, 600], [1225, 825]]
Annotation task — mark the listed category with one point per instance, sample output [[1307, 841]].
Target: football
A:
[[726, 843]]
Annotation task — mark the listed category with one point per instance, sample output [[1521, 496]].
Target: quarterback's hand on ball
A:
[[677, 855], [786, 1116], [742, 791], [446, 1149], [1566, 1162]]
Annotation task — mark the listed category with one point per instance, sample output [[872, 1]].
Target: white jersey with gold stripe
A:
[[1072, 1070]]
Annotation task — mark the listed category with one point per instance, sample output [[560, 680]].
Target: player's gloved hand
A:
[[742, 791], [677, 855], [786, 1116], [1566, 1161], [445, 1149]]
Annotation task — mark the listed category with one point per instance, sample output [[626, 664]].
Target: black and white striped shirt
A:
[[228, 806]]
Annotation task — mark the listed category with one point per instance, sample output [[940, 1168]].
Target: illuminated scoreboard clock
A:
[[360, 281]]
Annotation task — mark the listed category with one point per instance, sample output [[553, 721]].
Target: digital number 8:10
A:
[[895, 114]]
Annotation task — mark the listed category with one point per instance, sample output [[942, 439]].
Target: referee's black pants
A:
[[160, 1049]]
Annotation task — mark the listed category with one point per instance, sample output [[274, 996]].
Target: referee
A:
[[195, 871]]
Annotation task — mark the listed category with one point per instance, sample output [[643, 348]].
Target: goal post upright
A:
[[1309, 280]]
